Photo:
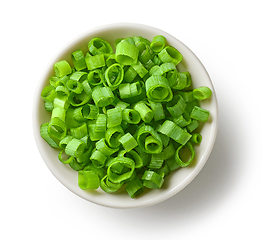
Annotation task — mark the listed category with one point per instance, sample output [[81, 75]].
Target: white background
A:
[[223, 202]]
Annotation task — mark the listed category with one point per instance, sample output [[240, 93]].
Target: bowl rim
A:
[[38, 138]]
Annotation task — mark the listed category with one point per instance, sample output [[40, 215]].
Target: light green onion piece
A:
[[149, 140], [164, 68], [108, 186], [134, 155], [62, 92], [63, 143], [196, 138], [75, 148], [79, 132], [62, 68], [94, 62], [184, 159], [158, 89], [126, 162], [95, 77], [114, 75], [177, 106], [74, 86], [88, 180], [183, 120], [126, 53], [77, 100], [102, 96], [131, 116], [99, 46], [202, 93], [199, 114], [57, 128], [193, 125], [152, 179], [64, 158], [45, 135], [158, 43], [128, 142], [101, 123], [94, 136], [90, 111], [170, 54], [78, 76], [112, 136], [172, 130], [98, 158], [135, 188], [130, 75], [145, 112], [48, 93], [114, 117], [78, 59], [100, 171], [102, 146], [140, 69], [158, 110]]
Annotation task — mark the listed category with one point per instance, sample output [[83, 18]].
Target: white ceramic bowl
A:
[[176, 181]]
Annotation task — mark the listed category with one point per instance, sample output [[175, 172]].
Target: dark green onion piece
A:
[[193, 125], [102, 146], [140, 69]]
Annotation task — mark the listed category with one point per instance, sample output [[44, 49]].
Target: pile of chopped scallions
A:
[[123, 119]]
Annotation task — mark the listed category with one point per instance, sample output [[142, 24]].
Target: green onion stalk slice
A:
[[151, 179], [99, 46], [126, 53], [158, 89], [183, 161], [88, 180], [135, 188], [149, 140], [125, 162], [114, 75]]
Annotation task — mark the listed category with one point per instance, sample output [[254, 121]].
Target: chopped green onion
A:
[[62, 68], [96, 107], [202, 93], [199, 114], [88, 180], [158, 43], [128, 142]]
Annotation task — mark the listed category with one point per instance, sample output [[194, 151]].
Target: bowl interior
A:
[[177, 180]]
